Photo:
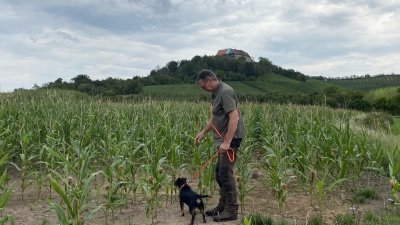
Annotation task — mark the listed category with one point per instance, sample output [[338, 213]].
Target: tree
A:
[[85, 87], [82, 78], [172, 66], [331, 102], [380, 104], [196, 59], [331, 91], [248, 69], [133, 87], [393, 105], [359, 104]]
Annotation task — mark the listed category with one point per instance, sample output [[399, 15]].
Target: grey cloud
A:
[[159, 7], [104, 38]]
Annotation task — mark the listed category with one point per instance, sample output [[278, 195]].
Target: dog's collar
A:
[[182, 186]]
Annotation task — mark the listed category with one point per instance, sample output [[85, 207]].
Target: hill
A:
[[260, 81], [278, 83], [367, 83], [268, 84]]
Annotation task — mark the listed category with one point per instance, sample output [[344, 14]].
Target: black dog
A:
[[190, 198]]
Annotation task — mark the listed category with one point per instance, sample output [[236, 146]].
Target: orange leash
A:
[[231, 158], [204, 166]]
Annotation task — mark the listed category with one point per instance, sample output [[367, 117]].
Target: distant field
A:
[[195, 90], [276, 83], [367, 84], [283, 84]]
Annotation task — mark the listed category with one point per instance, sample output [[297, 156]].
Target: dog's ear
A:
[[184, 180], [176, 182]]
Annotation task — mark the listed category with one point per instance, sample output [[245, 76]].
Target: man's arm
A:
[[232, 126]]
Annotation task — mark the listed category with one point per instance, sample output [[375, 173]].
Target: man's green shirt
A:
[[223, 101]]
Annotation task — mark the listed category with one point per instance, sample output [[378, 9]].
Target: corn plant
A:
[[321, 183], [247, 221], [153, 179], [76, 196], [6, 192], [244, 169], [39, 179], [24, 174], [394, 166], [196, 164], [132, 168], [112, 199], [278, 175]]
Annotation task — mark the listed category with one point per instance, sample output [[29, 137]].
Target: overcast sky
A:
[[41, 41]]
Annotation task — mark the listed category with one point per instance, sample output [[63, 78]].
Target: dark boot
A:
[[231, 208], [221, 204]]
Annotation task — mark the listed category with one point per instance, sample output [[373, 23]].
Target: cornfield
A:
[[72, 146]]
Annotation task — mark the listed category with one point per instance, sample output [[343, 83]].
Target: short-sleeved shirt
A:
[[223, 101]]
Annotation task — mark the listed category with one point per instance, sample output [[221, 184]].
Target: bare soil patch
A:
[[299, 209]]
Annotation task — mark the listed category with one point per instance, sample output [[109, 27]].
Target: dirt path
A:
[[300, 206]]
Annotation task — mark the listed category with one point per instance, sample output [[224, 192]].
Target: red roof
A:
[[240, 52], [221, 52], [235, 51]]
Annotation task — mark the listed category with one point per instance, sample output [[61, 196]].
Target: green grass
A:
[[395, 128], [316, 220], [346, 219], [364, 194], [368, 218]]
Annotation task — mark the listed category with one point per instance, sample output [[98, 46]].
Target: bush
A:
[[378, 121], [370, 217], [360, 105], [363, 194], [345, 219], [316, 220]]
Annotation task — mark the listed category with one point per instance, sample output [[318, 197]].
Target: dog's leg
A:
[[191, 210], [201, 208], [182, 210]]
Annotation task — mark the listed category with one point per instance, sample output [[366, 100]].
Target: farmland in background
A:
[[367, 83], [278, 83]]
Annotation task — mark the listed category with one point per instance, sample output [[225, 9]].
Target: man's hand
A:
[[225, 146], [198, 138]]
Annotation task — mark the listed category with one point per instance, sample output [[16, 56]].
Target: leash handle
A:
[[231, 158]]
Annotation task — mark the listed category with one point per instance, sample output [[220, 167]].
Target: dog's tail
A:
[[202, 196]]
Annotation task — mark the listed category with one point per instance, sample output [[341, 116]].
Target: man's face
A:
[[205, 85]]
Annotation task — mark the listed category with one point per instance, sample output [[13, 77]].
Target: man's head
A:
[[207, 80]]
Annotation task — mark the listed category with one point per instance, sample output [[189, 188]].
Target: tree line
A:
[[183, 71], [227, 69]]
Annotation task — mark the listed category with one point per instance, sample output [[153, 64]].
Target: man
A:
[[226, 120]]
